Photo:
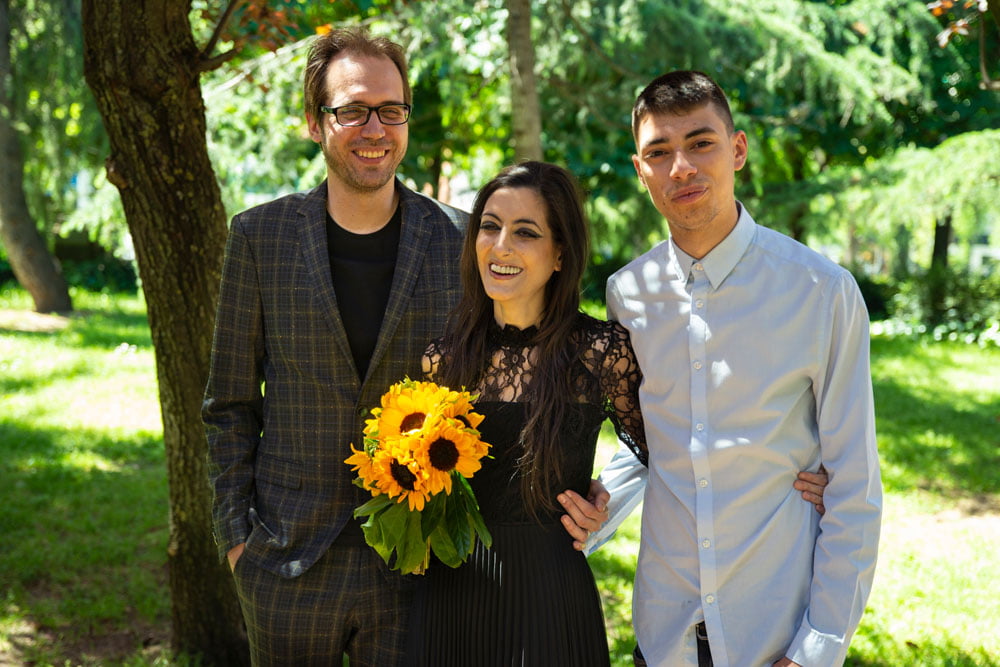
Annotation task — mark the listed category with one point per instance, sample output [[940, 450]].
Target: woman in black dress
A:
[[547, 376]]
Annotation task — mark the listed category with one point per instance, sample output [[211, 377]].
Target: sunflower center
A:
[[412, 422], [443, 454], [402, 475]]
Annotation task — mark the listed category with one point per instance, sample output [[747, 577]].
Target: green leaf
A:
[[444, 547], [411, 552], [375, 536], [471, 510], [374, 505], [434, 514]]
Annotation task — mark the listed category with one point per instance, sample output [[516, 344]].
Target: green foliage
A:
[[62, 139], [257, 134], [949, 304], [894, 203], [107, 274]]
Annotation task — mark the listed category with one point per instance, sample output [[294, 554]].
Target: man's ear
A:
[[740, 149], [638, 171], [315, 129]]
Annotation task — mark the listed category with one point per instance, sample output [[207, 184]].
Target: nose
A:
[[374, 128], [681, 167], [502, 243]]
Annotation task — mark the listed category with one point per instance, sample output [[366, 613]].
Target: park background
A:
[[130, 130]]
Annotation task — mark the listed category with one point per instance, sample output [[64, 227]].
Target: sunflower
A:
[[397, 473], [458, 405], [417, 442], [363, 464], [448, 447], [406, 408]]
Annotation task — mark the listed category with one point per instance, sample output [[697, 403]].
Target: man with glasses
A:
[[327, 298]]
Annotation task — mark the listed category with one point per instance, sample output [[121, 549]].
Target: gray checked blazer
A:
[[276, 452]]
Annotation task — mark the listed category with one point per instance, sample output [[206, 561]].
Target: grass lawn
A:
[[84, 528]]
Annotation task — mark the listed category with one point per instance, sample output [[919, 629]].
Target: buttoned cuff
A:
[[816, 649]]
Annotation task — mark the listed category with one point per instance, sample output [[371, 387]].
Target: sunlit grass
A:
[[83, 531], [84, 527]]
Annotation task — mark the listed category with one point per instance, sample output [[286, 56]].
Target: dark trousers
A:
[[704, 652], [349, 603]]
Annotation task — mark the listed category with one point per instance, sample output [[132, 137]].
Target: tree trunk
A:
[[526, 112], [938, 275], [142, 64], [942, 239], [33, 265]]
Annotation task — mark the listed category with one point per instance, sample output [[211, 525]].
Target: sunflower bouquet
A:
[[420, 445]]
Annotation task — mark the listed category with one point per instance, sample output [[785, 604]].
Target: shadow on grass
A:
[[109, 329], [106, 328], [934, 439], [82, 545]]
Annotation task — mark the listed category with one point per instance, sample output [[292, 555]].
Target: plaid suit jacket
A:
[[276, 453]]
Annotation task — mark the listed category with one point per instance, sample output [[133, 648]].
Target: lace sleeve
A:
[[620, 379], [431, 361]]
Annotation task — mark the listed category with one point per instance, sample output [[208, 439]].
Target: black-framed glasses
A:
[[354, 115]]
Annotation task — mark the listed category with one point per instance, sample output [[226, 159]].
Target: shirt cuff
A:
[[816, 649]]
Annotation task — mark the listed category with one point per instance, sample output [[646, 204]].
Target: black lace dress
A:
[[530, 600]]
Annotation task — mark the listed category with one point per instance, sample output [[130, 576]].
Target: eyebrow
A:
[[656, 141], [527, 221]]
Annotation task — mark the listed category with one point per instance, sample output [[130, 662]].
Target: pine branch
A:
[[594, 46]]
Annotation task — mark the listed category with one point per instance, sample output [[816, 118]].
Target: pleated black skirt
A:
[[529, 601]]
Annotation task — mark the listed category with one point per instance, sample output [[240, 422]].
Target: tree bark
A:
[[34, 266], [142, 64], [526, 112]]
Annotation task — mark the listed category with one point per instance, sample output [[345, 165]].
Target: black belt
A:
[[704, 651]]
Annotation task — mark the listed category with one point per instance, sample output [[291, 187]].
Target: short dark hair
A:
[[348, 40], [680, 92]]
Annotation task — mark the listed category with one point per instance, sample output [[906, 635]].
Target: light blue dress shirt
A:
[[756, 366]]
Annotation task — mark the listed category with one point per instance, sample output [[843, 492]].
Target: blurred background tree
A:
[[42, 143]]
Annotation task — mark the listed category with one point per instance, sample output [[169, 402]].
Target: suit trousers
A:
[[349, 603]]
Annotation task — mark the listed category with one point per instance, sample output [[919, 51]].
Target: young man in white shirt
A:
[[760, 347]]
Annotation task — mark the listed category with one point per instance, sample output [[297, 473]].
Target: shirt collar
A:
[[722, 259]]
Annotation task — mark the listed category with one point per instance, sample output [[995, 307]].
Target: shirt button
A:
[[703, 483], [699, 427], [698, 266], [710, 599], [699, 303], [697, 365], [706, 543]]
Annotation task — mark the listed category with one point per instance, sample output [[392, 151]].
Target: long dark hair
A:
[[466, 333]]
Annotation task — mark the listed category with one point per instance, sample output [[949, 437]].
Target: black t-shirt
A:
[[362, 266]]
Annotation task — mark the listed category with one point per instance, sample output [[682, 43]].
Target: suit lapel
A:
[[413, 240], [315, 251]]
